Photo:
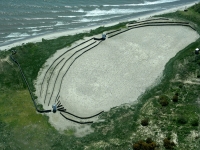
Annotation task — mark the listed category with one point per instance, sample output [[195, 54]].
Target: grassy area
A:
[[192, 15], [22, 128]]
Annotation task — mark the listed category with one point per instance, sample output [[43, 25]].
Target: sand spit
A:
[[98, 75]]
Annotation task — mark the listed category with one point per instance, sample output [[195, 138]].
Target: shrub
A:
[[175, 98], [163, 97], [168, 144], [149, 140], [145, 122], [180, 86], [182, 120], [142, 145], [163, 100], [195, 122], [136, 146], [196, 8]]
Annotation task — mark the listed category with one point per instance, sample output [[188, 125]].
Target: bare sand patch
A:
[[116, 71]]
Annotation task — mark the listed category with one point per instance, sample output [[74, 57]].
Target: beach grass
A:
[[17, 110], [23, 128], [191, 15]]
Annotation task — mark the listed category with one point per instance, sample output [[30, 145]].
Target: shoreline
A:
[[87, 29]]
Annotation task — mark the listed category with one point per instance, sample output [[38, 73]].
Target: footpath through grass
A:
[[171, 122]]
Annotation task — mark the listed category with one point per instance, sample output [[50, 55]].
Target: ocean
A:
[[22, 19]]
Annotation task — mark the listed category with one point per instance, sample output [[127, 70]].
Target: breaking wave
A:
[[17, 35], [114, 11], [96, 19], [145, 3], [38, 18], [80, 10], [66, 16]]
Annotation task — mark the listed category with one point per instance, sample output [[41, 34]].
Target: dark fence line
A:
[[159, 22], [146, 25], [83, 117], [61, 69], [73, 62], [60, 107], [57, 98], [99, 39], [138, 23], [113, 31], [30, 92], [62, 110], [52, 74], [89, 122], [46, 111], [149, 20], [58, 58], [59, 103], [119, 33], [63, 65], [187, 25]]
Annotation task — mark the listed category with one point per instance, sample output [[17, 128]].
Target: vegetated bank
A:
[[167, 116]]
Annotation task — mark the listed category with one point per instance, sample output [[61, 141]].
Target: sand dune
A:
[[99, 75]]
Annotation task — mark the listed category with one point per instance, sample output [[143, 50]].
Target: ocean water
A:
[[21, 19]]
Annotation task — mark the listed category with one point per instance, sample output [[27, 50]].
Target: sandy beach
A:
[[99, 75], [87, 29]]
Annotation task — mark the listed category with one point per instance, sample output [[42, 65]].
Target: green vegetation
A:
[[182, 120], [145, 122], [195, 122], [163, 100], [192, 16], [20, 126], [172, 106], [168, 144], [149, 144], [175, 98]]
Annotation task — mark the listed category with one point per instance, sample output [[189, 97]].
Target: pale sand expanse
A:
[[121, 68], [115, 72], [87, 29]]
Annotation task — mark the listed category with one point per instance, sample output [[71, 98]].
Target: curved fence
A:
[[62, 68], [72, 64], [80, 122], [59, 57], [155, 24], [149, 20], [159, 22], [83, 117], [113, 31]]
